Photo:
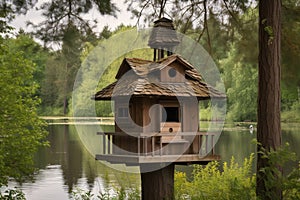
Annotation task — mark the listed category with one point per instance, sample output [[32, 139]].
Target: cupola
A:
[[163, 38]]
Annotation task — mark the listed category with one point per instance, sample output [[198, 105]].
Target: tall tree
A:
[[60, 14], [9, 9], [33, 51], [21, 130], [195, 15], [268, 127], [70, 60], [65, 24], [60, 72], [291, 46]]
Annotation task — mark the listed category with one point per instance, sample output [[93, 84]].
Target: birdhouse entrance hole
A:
[[171, 114]]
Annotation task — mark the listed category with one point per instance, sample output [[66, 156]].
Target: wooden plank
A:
[[109, 137], [132, 160], [157, 134], [104, 144]]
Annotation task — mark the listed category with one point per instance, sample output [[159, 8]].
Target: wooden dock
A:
[[65, 120]]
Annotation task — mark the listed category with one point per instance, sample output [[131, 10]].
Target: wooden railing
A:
[[205, 142]]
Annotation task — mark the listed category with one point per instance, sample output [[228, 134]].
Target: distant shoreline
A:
[[66, 120]]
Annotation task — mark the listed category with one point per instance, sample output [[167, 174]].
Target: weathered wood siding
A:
[[190, 117]]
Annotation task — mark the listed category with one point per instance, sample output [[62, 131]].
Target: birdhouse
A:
[[156, 107]]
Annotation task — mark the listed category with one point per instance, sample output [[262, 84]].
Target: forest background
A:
[[227, 31]]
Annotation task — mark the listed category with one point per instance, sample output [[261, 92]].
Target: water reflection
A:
[[236, 143], [240, 144], [67, 165], [67, 159]]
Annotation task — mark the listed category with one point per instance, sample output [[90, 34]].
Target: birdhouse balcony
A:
[[160, 147]]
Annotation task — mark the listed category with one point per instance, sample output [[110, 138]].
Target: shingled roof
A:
[[163, 34], [139, 81]]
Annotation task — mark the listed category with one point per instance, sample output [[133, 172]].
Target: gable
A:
[[173, 73], [131, 64]]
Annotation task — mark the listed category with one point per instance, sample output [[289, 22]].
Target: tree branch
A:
[[140, 13], [162, 7]]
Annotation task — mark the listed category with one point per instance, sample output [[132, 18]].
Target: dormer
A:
[[173, 73]]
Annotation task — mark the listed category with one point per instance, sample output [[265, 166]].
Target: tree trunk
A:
[[65, 105], [298, 90], [268, 127], [159, 184]]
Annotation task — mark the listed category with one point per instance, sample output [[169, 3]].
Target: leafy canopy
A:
[[21, 131]]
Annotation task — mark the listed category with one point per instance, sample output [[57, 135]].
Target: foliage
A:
[[290, 44], [50, 87], [32, 51], [21, 130], [272, 173], [205, 114], [61, 69], [12, 194], [121, 194], [208, 182], [238, 182], [243, 94], [241, 83], [8, 10], [60, 14], [292, 185], [214, 181], [97, 76], [292, 114]]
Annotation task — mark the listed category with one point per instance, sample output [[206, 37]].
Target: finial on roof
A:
[[163, 37]]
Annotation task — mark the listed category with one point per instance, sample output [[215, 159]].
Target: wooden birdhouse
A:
[[156, 107]]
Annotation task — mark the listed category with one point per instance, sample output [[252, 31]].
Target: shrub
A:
[[208, 182], [12, 194]]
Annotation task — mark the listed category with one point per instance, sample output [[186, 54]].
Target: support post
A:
[[158, 184]]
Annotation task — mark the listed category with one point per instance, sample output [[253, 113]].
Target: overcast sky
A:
[[122, 17]]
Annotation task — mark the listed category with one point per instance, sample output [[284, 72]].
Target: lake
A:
[[69, 165]]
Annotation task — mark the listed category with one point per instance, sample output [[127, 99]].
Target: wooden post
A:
[[158, 184]]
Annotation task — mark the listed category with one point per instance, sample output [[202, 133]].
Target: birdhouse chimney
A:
[[163, 38]]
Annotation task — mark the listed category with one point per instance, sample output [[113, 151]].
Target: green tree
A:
[[242, 77], [195, 17], [66, 25], [21, 130], [291, 44], [60, 15], [290, 86], [70, 60], [239, 69], [91, 71], [32, 51], [49, 86], [8, 10], [60, 71]]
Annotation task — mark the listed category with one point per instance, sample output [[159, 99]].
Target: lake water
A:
[[68, 165]]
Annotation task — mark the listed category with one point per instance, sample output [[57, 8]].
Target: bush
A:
[[239, 182], [273, 176], [292, 115], [12, 194], [121, 194], [208, 182]]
